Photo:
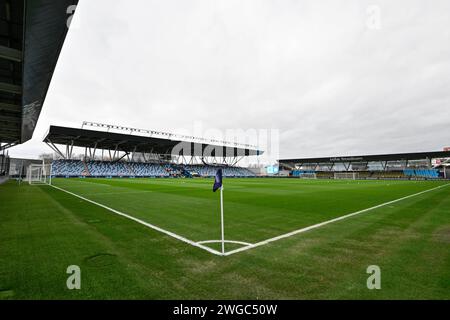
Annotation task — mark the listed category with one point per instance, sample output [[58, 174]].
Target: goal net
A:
[[307, 175], [346, 175], [39, 173]]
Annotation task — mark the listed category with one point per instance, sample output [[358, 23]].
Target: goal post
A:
[[346, 175], [39, 173], [308, 175]]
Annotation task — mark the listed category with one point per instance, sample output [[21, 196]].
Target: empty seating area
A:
[[68, 168], [237, 172], [210, 171], [301, 173], [379, 174], [325, 175], [387, 175], [422, 173], [107, 169], [78, 168], [148, 170]]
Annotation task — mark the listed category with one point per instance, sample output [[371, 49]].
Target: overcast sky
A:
[[329, 75]]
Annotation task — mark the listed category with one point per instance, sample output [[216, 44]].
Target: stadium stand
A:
[[300, 173], [422, 173], [68, 168], [78, 168], [325, 175], [387, 175], [136, 155], [419, 165], [210, 171], [32, 36], [110, 169], [147, 170]]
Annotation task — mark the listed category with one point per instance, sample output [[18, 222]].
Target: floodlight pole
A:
[[221, 219]]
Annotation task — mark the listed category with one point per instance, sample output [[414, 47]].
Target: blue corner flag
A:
[[218, 180]]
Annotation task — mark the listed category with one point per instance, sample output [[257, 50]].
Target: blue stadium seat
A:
[[76, 168], [422, 173]]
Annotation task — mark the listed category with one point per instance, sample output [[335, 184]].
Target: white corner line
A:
[[169, 233], [226, 241], [247, 245], [318, 225]]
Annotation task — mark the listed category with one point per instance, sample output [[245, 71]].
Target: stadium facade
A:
[[418, 165], [32, 35]]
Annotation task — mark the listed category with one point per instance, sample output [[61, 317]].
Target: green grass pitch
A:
[[44, 230]]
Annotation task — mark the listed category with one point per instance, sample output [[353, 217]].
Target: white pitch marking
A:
[[226, 241], [292, 233], [121, 192], [169, 233], [248, 246]]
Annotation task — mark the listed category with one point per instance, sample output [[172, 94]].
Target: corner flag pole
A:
[[218, 184], [221, 219]]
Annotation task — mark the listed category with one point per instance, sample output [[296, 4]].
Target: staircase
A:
[[186, 173], [180, 171], [86, 169]]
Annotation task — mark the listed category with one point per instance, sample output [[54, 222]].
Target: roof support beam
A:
[[54, 148], [5, 146], [10, 54], [118, 159], [10, 88]]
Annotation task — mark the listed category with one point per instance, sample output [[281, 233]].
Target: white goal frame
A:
[[308, 175], [39, 173], [346, 175]]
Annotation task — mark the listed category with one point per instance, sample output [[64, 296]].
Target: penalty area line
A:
[[149, 225], [318, 225]]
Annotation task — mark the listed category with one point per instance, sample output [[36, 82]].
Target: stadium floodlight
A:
[[164, 135], [346, 175], [39, 173]]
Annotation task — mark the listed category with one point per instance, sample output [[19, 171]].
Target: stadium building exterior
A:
[[32, 35], [418, 165]]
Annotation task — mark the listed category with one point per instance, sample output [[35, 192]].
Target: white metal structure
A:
[[163, 135], [39, 173], [221, 219], [346, 175]]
